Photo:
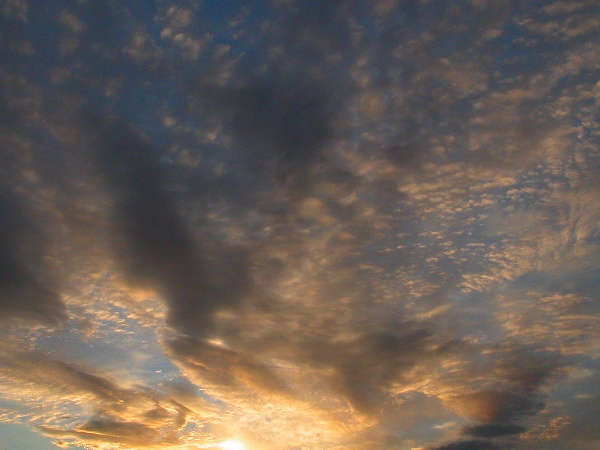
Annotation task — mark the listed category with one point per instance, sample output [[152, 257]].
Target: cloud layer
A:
[[322, 225]]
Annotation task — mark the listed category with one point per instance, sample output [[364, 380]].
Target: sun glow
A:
[[232, 445]]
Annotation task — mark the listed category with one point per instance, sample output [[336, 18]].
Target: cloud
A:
[[29, 278], [470, 445], [492, 430], [366, 367], [519, 374], [15, 8], [282, 122], [221, 367], [26, 291], [138, 417], [335, 224], [107, 430], [155, 247], [493, 405], [362, 368]]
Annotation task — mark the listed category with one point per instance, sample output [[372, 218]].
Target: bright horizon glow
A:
[[232, 444]]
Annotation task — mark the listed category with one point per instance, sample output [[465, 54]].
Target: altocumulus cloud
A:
[[352, 224]]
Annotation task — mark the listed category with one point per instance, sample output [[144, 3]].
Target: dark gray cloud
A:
[[154, 245], [365, 367], [470, 445], [282, 122], [278, 95], [27, 288], [495, 405], [527, 368], [522, 372], [492, 430], [313, 31]]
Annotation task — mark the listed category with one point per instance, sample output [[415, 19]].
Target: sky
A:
[[299, 224]]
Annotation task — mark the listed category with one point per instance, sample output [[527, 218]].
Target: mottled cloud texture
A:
[[300, 224]]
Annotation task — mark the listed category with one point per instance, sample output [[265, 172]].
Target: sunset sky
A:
[[299, 224]]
